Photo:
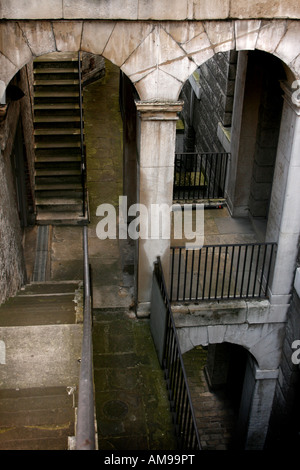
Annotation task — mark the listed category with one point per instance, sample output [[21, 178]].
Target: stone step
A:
[[55, 145], [55, 82], [56, 106], [38, 310], [56, 119], [53, 160], [62, 131], [48, 174], [50, 287], [36, 418], [56, 94], [48, 217], [62, 188], [55, 70]]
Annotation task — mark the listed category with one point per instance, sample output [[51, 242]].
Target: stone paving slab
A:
[[131, 399]]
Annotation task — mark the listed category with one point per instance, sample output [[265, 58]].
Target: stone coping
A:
[[145, 10]]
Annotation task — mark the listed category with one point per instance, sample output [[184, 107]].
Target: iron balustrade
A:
[[176, 379], [82, 145], [86, 432], [221, 271], [200, 176]]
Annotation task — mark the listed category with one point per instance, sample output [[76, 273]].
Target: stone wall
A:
[[143, 9], [208, 98], [12, 269], [284, 423], [19, 116]]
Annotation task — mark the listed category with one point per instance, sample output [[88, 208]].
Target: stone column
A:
[[156, 149], [260, 408], [283, 221]]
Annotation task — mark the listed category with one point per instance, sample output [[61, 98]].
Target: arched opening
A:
[[226, 148], [221, 384]]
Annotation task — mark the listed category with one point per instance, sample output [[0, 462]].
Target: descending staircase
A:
[[42, 332], [59, 192]]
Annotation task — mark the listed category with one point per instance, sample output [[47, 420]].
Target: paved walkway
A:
[[132, 407]]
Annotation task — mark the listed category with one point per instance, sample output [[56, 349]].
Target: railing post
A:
[[83, 157]]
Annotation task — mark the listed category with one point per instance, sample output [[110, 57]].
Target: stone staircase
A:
[[41, 329], [58, 180]]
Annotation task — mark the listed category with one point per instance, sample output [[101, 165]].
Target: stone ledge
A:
[[155, 10], [228, 312]]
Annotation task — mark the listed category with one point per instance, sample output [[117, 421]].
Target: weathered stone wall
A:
[[12, 270], [209, 111], [284, 422], [12, 266], [144, 10]]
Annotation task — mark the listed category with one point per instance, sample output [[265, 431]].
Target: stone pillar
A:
[[243, 135], [260, 408], [283, 221], [156, 149]]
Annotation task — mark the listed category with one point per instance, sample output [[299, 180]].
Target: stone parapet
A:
[[145, 10]]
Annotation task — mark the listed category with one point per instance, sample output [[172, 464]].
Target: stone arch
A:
[[257, 339], [158, 57]]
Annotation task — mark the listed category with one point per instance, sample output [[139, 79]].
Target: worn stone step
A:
[[38, 310], [56, 173], [57, 131], [51, 287], [55, 82], [36, 418], [55, 70], [53, 144], [56, 106], [56, 94], [67, 180], [65, 188], [46, 119], [48, 217]]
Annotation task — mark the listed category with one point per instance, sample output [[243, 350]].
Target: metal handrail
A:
[[179, 394], [82, 146], [86, 433]]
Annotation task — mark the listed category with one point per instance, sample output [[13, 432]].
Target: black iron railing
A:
[[200, 176], [221, 271], [82, 144], [172, 362], [86, 432]]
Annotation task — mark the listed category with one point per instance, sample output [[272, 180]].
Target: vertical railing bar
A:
[[237, 271], [205, 173], [269, 268], [220, 190], [172, 273], [262, 270], [185, 273], [211, 271], [218, 270], [215, 174], [244, 268], [224, 271], [250, 270], [198, 275], [205, 269], [231, 268], [179, 276], [192, 274], [199, 190], [256, 271]]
